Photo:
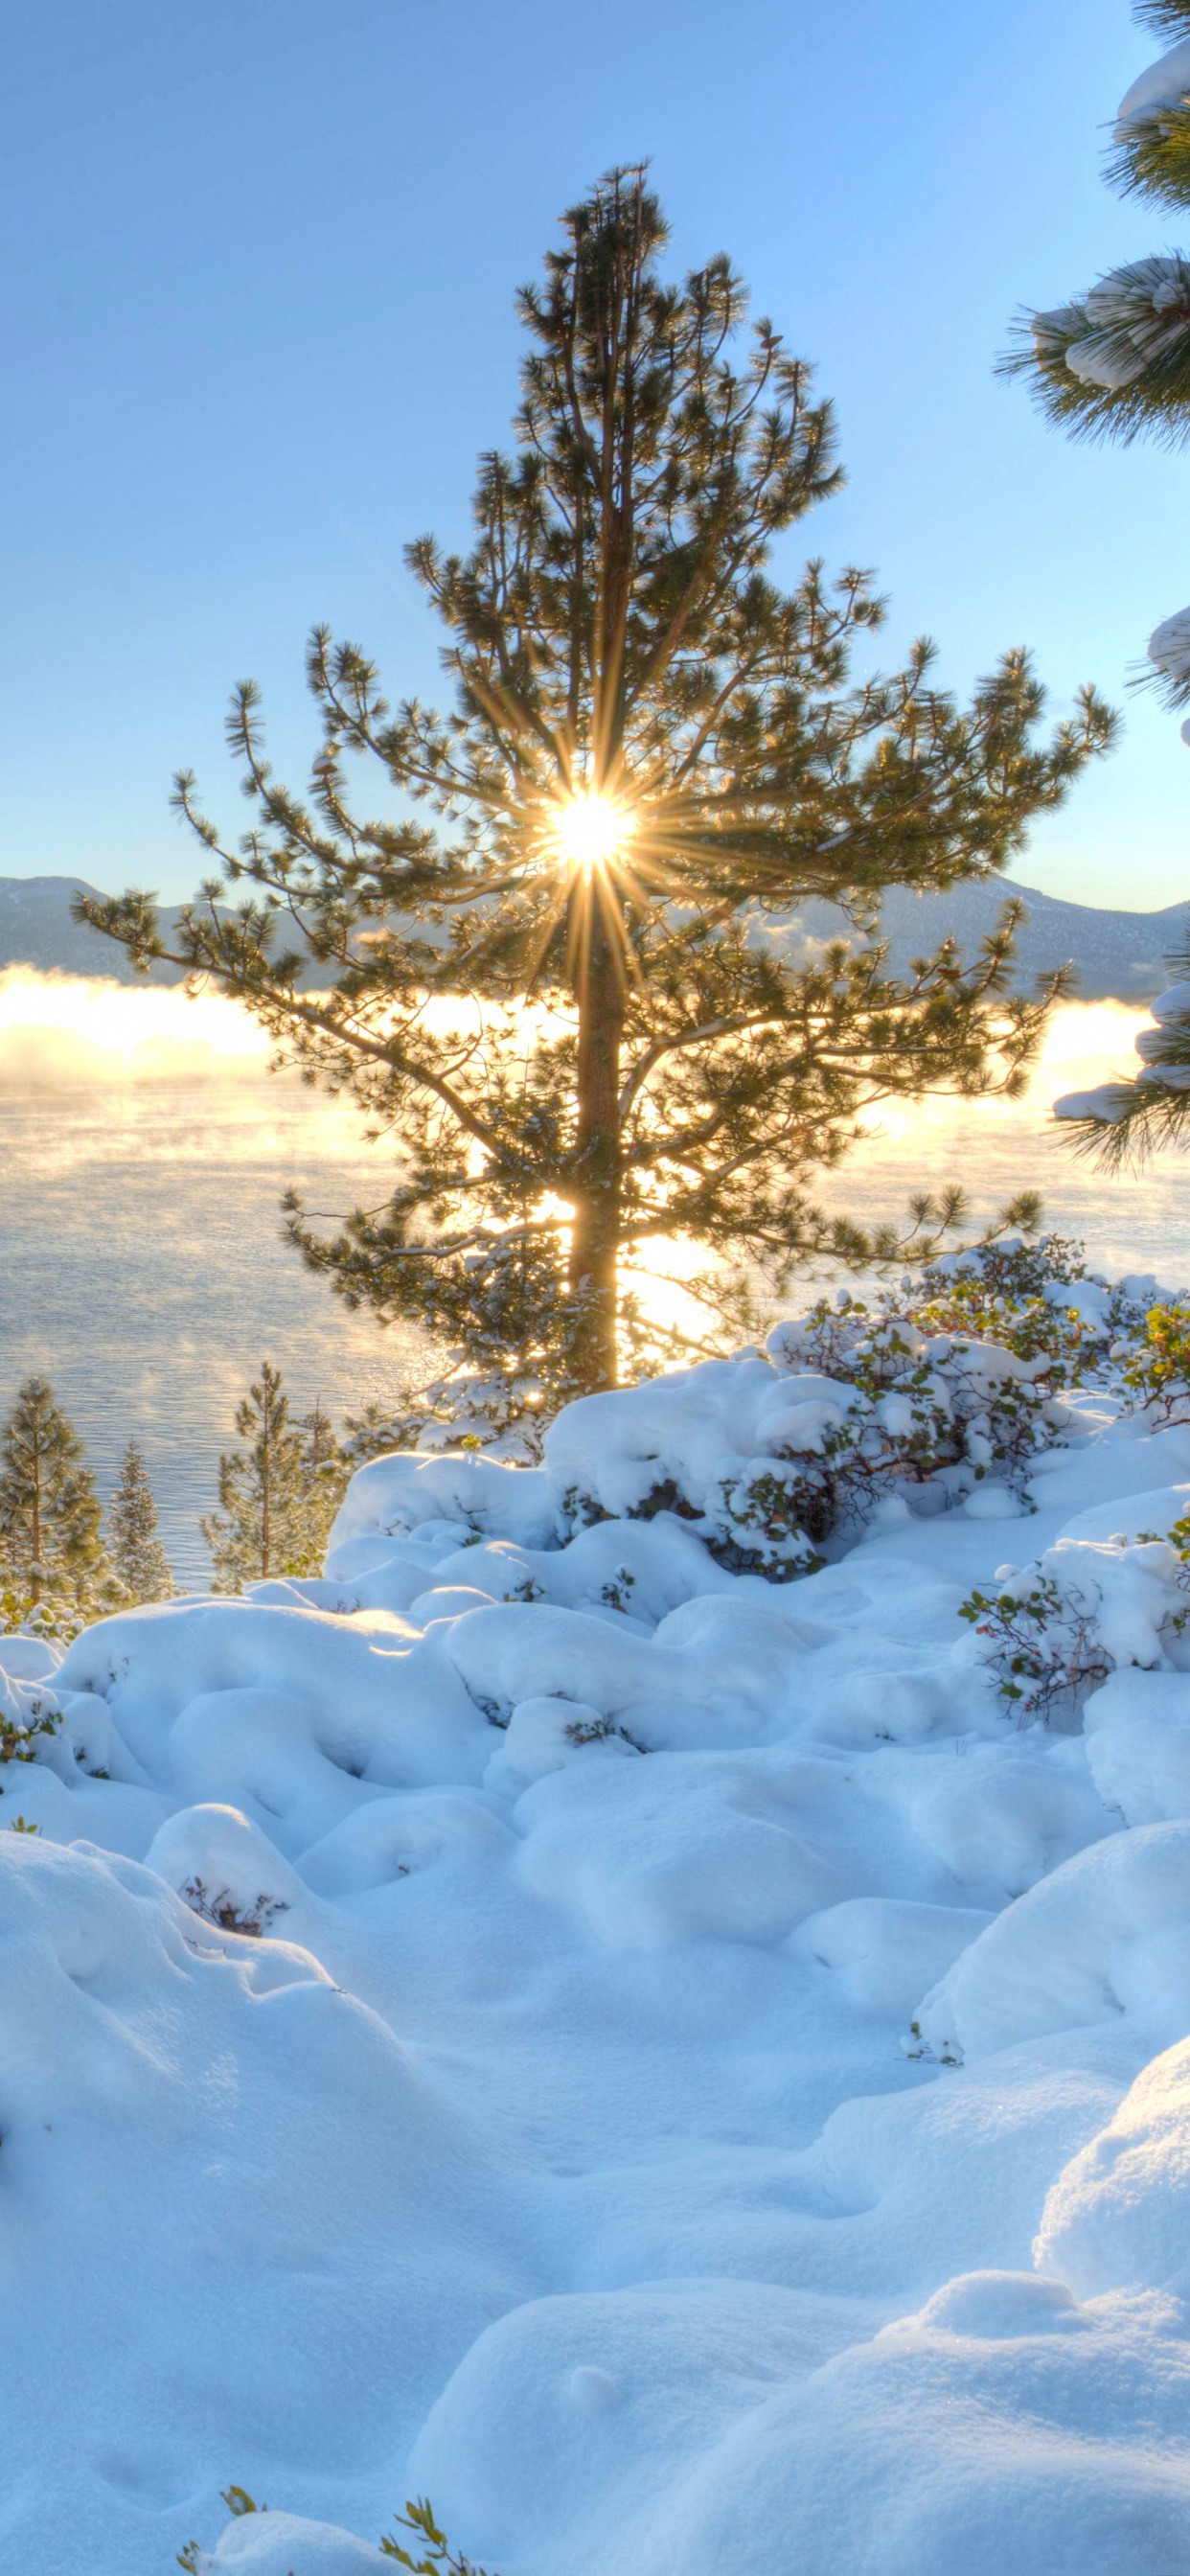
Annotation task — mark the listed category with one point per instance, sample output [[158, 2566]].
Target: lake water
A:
[[145, 1149]]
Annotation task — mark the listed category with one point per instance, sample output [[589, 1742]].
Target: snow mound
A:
[[1107, 1933], [208, 2117], [603, 2010], [275, 2544], [1119, 2216]]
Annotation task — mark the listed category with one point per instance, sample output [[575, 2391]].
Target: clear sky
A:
[[257, 277]]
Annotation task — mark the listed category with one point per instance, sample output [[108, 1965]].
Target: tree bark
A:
[[595, 1234], [35, 1583]]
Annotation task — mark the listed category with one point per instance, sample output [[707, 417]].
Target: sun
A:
[[591, 831]]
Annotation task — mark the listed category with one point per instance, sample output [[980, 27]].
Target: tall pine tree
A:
[[136, 1551], [552, 985], [51, 1544]]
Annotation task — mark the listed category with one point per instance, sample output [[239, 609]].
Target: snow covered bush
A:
[[1042, 1642], [24, 1614], [239, 2503], [949, 1388], [1155, 1368], [502, 1410], [218, 1906], [1056, 1630], [435, 2552], [29, 1717], [435, 2557], [947, 1395]]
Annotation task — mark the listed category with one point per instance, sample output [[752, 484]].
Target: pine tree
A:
[[278, 1495], [551, 979], [137, 1553], [51, 1546], [1115, 363], [325, 1472]]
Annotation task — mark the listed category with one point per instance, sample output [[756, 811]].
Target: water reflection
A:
[[145, 1149]]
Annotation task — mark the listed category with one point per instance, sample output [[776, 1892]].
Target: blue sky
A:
[[257, 276]]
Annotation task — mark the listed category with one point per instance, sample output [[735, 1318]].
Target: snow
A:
[[1169, 646], [1128, 319], [1156, 1045], [1163, 86], [1174, 1005], [700, 2082], [1109, 1100]]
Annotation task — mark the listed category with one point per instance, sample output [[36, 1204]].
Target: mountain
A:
[[1118, 955], [36, 930]]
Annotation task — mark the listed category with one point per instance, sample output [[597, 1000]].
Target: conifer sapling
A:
[[51, 1544], [278, 1495], [137, 1553]]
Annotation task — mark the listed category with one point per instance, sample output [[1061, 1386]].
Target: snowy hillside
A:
[[685, 2067], [1118, 954]]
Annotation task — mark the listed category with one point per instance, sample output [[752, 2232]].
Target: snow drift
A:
[[660, 2055]]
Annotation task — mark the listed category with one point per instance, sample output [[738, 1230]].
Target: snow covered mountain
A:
[[1120, 954], [36, 930]]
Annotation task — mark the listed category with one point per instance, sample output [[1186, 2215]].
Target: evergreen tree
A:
[[278, 1495], [137, 1553], [325, 1473], [549, 978], [1115, 363], [51, 1545]]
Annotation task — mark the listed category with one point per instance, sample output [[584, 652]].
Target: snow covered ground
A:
[[703, 2081]]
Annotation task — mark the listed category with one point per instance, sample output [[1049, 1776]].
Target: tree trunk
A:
[[35, 1583], [266, 1531], [595, 1235]]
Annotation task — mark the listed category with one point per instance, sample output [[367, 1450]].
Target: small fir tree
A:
[[553, 985], [136, 1551], [51, 1543], [278, 1495]]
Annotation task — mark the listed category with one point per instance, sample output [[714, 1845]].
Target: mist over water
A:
[[145, 1149], [1140, 1221]]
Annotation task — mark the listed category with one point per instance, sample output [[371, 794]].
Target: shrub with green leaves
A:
[[435, 2552], [1043, 1643], [435, 2555], [1054, 1631], [29, 1716], [1156, 1371], [946, 1407], [52, 1617]]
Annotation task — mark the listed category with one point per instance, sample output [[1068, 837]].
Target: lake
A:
[[146, 1147]]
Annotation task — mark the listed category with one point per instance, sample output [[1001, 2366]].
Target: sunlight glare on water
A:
[[145, 1150], [146, 1147], [995, 1149]]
